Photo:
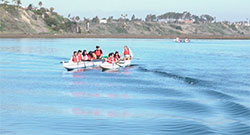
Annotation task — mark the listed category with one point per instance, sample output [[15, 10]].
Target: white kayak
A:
[[114, 66], [83, 64]]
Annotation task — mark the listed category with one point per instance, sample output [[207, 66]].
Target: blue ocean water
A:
[[198, 88]]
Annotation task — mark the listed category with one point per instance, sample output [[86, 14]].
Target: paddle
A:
[[118, 64]]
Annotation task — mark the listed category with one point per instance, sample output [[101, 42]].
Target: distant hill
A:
[[165, 29], [19, 20]]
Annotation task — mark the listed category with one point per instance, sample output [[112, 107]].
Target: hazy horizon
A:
[[222, 10]]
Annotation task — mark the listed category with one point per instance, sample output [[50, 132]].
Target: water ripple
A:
[[186, 128], [235, 128], [236, 109], [218, 95], [184, 106]]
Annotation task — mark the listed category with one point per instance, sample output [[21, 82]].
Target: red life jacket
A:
[[117, 57], [74, 58], [89, 57], [126, 52], [114, 59], [80, 57], [94, 56], [98, 53], [110, 60]]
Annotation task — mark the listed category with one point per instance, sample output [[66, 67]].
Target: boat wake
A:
[[188, 80]]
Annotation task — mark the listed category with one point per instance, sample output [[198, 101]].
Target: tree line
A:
[[167, 17]]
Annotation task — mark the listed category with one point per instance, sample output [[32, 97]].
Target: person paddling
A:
[[98, 52], [79, 56], [94, 56], [74, 58], [117, 56], [177, 40], [110, 59], [186, 40], [128, 55], [90, 57], [85, 55]]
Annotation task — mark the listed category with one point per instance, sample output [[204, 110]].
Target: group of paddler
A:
[[178, 40], [79, 55]]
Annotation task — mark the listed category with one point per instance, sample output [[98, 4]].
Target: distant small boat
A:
[[178, 40], [114, 66], [83, 64], [186, 40]]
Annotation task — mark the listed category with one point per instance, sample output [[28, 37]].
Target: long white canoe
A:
[[114, 66], [83, 64]]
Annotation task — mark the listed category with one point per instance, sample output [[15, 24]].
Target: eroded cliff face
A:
[[19, 20]]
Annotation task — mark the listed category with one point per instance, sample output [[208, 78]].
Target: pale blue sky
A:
[[233, 10]]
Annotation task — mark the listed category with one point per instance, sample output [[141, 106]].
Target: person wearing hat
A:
[[98, 52]]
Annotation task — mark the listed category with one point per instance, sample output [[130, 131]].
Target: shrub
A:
[[38, 12], [121, 30], [233, 27], [2, 25], [43, 10], [51, 21], [176, 27]]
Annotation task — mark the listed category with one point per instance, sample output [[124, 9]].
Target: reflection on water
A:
[[27, 49], [99, 95], [121, 114], [199, 88]]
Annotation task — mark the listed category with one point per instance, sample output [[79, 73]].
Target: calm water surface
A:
[[198, 88]]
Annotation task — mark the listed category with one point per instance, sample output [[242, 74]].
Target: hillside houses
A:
[[180, 18], [179, 21]]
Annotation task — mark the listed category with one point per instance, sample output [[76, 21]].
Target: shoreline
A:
[[121, 36]]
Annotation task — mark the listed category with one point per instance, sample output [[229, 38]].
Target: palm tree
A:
[[14, 1], [133, 18], [73, 19], [19, 2], [5, 3], [40, 4], [77, 18], [30, 7], [52, 9]]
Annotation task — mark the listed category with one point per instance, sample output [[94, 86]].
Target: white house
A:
[[103, 21]]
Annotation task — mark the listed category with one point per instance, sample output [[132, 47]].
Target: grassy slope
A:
[[17, 20], [162, 29]]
